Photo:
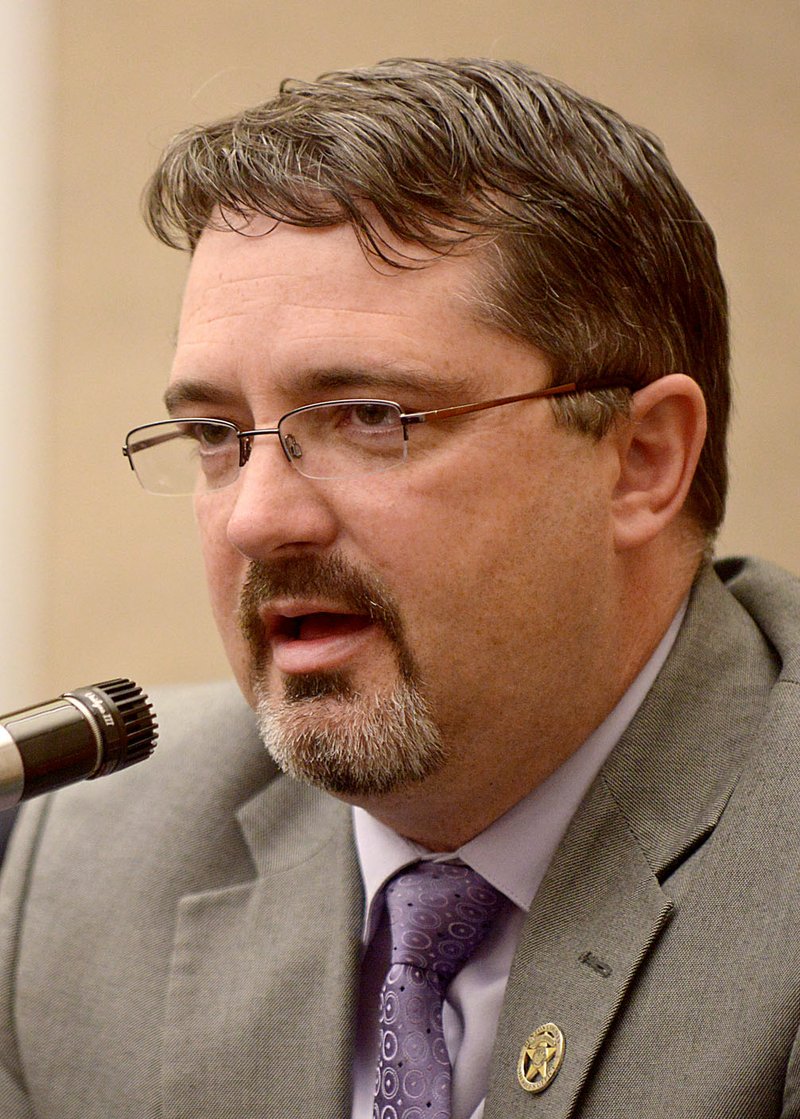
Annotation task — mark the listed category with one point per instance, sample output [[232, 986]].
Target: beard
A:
[[319, 728]]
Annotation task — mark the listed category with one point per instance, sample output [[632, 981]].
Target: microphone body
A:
[[86, 733]]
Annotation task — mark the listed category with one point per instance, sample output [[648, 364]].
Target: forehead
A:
[[328, 266], [296, 295]]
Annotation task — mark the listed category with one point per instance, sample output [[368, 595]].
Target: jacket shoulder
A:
[[771, 596]]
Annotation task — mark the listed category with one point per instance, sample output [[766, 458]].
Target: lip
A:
[[322, 648]]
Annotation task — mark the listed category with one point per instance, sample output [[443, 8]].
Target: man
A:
[[450, 394]]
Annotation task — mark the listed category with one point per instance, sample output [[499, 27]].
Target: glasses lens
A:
[[344, 438], [184, 457]]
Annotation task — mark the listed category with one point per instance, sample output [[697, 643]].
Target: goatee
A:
[[320, 729]]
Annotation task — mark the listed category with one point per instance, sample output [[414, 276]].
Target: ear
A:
[[658, 451]]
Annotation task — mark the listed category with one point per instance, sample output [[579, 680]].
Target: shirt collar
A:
[[514, 852]]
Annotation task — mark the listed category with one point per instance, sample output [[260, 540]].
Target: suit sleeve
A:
[[14, 1100]]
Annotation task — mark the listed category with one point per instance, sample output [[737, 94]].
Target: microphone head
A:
[[124, 719]]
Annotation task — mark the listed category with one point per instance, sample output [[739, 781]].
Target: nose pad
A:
[[292, 446], [245, 449]]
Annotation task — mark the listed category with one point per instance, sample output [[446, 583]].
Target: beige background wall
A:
[[716, 79], [26, 306]]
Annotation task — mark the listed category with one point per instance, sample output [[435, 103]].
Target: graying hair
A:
[[593, 251]]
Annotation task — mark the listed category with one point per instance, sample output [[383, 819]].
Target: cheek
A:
[[486, 550], [450, 548]]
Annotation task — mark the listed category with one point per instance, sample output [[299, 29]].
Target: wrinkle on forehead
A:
[[260, 302]]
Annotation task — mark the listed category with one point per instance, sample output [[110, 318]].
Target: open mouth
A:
[[320, 625], [317, 641]]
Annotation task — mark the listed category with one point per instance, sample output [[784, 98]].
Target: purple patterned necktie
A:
[[439, 913]]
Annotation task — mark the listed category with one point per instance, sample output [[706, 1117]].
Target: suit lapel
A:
[[579, 951], [261, 1001], [601, 907]]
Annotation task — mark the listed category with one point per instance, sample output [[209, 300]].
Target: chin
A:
[[323, 732]]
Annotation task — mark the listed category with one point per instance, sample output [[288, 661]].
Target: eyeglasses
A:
[[333, 439]]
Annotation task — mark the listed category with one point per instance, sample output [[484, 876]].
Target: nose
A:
[[274, 508]]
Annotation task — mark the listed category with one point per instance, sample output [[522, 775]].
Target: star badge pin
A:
[[540, 1058]]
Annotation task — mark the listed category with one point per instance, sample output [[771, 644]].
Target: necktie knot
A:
[[439, 913]]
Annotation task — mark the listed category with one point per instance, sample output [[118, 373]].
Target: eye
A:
[[211, 436], [372, 413]]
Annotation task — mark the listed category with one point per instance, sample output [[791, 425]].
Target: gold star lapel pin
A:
[[540, 1058]]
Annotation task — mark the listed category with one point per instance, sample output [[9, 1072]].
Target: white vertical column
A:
[[26, 251]]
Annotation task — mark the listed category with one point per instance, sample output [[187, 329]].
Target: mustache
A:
[[326, 577]]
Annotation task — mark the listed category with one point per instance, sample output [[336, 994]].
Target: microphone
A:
[[84, 734]]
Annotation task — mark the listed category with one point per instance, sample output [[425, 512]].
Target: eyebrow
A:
[[377, 378], [196, 392], [200, 391]]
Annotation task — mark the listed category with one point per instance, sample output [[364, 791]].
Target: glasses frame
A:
[[407, 419]]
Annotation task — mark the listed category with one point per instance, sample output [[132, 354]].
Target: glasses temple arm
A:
[[464, 409], [554, 390]]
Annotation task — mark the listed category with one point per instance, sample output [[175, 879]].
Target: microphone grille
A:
[[126, 721]]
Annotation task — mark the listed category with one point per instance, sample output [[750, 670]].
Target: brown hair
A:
[[594, 251]]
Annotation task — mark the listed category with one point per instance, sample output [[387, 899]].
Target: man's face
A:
[[461, 591]]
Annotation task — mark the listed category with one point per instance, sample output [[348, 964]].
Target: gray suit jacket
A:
[[182, 941]]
